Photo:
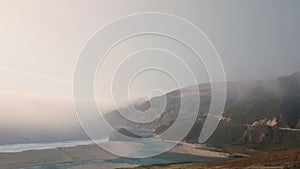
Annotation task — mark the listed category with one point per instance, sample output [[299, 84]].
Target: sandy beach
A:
[[197, 149], [85, 153]]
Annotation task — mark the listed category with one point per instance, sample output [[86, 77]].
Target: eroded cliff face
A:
[[298, 124], [266, 131]]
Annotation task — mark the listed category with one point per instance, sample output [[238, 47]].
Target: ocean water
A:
[[11, 148], [63, 165]]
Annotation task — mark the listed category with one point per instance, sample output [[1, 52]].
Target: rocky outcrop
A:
[[266, 131], [298, 124]]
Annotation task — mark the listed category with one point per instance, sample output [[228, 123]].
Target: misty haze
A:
[[149, 84]]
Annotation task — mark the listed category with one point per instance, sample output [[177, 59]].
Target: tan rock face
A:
[[265, 121], [298, 124], [268, 132]]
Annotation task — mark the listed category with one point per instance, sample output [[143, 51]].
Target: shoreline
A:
[[90, 152]]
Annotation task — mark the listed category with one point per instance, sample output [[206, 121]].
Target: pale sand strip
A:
[[197, 149]]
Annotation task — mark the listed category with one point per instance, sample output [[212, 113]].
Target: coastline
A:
[[90, 152]]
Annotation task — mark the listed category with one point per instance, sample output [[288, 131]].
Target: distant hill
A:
[[247, 103]]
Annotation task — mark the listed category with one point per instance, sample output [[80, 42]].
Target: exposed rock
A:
[[265, 131], [298, 124], [265, 121]]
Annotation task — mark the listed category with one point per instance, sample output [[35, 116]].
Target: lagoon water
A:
[[160, 159]]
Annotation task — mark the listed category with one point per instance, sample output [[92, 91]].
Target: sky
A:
[[40, 42]]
